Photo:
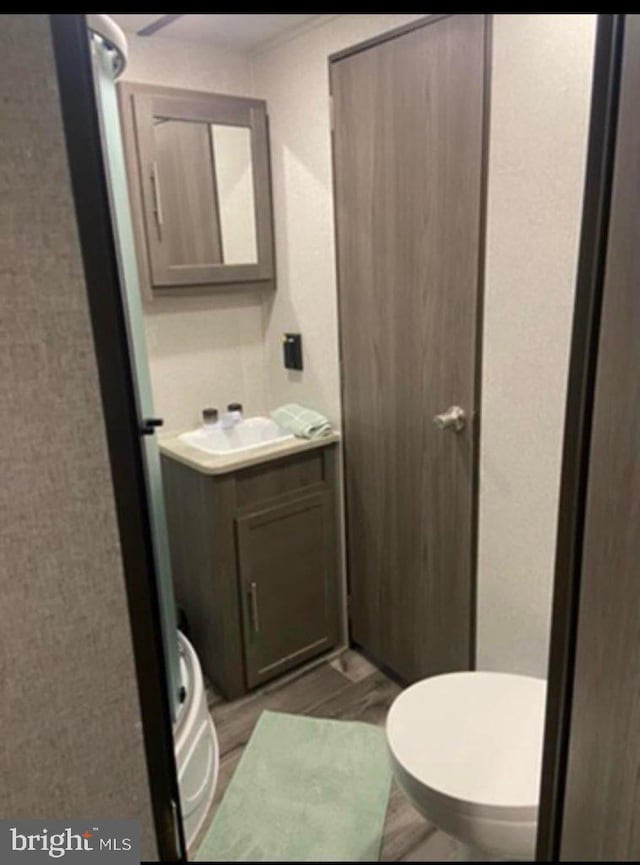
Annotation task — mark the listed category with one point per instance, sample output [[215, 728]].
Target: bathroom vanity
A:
[[254, 549]]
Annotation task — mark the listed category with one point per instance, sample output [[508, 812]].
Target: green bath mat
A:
[[305, 790]]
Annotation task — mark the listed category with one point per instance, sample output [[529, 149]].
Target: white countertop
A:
[[209, 464]]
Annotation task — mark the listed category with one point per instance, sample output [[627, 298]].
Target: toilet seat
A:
[[471, 743]]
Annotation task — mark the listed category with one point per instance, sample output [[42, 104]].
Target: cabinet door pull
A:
[[255, 618], [157, 200]]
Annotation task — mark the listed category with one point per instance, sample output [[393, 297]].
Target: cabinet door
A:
[[288, 584]]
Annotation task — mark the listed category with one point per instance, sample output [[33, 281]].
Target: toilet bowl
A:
[[196, 745], [466, 748]]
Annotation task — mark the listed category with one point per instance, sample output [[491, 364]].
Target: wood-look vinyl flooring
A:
[[348, 688]]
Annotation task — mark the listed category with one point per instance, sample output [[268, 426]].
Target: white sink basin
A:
[[253, 432]]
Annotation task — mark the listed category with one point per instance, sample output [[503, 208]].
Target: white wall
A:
[[293, 77], [541, 85], [206, 350], [236, 196]]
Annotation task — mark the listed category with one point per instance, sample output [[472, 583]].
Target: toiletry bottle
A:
[[209, 418], [232, 416], [235, 410]]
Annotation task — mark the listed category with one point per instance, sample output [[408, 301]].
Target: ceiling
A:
[[242, 32]]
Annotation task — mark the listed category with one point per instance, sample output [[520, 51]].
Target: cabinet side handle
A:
[[157, 199], [255, 618]]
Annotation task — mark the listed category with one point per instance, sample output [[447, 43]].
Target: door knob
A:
[[453, 418]]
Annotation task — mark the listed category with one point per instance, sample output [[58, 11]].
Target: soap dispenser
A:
[[209, 418], [235, 411], [232, 416]]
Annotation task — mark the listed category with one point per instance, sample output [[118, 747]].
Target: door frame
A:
[[381, 38], [122, 425], [577, 428]]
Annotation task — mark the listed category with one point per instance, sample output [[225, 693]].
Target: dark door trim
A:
[[479, 334], [387, 35], [88, 181], [577, 429]]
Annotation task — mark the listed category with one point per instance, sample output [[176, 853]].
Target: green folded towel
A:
[[302, 422]]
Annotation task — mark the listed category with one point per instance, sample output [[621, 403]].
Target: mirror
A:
[[231, 147], [204, 194]]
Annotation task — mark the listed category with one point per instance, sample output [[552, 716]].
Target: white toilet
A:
[[466, 748], [196, 745]]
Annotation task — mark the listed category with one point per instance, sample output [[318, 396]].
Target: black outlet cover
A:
[[292, 344]]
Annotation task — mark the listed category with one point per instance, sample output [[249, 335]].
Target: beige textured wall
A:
[[293, 77], [71, 738], [206, 350], [539, 114]]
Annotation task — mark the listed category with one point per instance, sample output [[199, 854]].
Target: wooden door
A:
[[602, 803], [408, 162], [286, 559]]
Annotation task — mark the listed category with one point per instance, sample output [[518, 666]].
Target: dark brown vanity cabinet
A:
[[255, 564], [200, 190]]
